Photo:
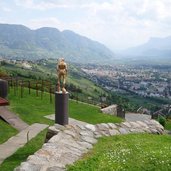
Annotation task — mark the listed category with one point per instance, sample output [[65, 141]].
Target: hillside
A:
[[78, 84], [20, 42], [156, 48]]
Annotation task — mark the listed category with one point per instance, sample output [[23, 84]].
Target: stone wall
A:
[[112, 110], [69, 143]]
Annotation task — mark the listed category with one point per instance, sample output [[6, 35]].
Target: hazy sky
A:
[[116, 23]]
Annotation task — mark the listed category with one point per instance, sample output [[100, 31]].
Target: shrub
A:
[[162, 120]]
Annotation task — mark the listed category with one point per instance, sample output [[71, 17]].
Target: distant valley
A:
[[156, 49]]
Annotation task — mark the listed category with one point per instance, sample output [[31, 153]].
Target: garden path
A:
[[19, 140]]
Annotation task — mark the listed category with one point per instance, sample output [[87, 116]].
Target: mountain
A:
[[154, 48], [18, 41]]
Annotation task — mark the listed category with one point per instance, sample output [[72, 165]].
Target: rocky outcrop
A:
[[69, 143]]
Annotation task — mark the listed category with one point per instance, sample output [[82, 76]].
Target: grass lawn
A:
[[21, 155], [90, 114], [32, 109], [133, 152], [6, 131]]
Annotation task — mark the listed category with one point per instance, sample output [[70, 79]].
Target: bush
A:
[[162, 120]]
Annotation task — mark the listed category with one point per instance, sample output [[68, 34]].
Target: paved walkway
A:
[[136, 117], [12, 119], [71, 120], [18, 141], [128, 117]]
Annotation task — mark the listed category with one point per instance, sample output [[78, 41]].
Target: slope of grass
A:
[[90, 114], [33, 109], [6, 131], [134, 152], [21, 155]]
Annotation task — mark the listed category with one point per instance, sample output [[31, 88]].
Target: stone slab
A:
[[18, 141]]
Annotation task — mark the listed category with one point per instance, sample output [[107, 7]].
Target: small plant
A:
[[162, 120]]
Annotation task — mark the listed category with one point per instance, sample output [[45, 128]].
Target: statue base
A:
[[61, 108]]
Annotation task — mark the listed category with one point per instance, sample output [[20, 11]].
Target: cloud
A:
[[42, 4], [117, 23], [5, 9], [45, 22]]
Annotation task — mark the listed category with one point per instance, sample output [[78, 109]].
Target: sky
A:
[[118, 24]]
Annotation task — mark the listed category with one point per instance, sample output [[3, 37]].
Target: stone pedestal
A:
[[3, 88], [61, 108]]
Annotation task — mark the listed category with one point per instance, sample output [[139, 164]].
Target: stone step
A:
[[19, 140], [12, 118]]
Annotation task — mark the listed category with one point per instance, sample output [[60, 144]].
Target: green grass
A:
[[168, 124], [32, 109], [90, 114], [133, 152], [21, 155], [6, 131]]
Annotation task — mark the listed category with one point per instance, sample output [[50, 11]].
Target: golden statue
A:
[[61, 73]]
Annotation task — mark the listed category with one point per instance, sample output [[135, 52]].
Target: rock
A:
[[60, 127], [154, 122], [113, 132], [134, 125], [26, 166], [90, 127], [112, 126], [105, 133], [102, 127], [59, 137], [142, 124], [126, 124], [81, 127], [123, 131], [89, 139], [52, 130], [71, 133], [97, 134], [87, 133], [85, 144], [73, 143], [154, 131], [55, 168]]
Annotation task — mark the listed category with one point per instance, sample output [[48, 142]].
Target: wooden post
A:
[[42, 89], [14, 88], [50, 89], [29, 86], [37, 94], [21, 88]]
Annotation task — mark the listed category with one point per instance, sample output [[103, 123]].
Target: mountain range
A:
[[20, 42], [154, 48]]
